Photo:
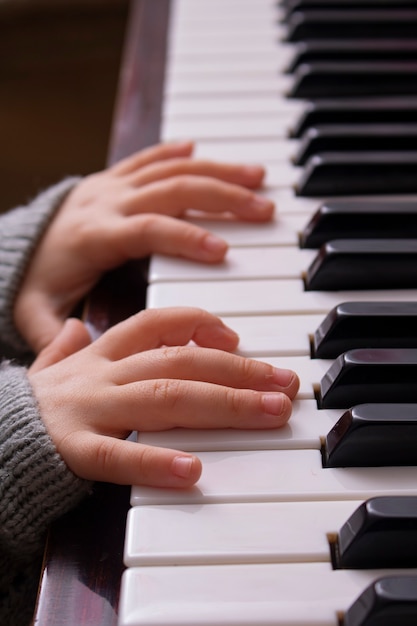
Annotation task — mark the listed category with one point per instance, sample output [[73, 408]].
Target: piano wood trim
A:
[[80, 580]]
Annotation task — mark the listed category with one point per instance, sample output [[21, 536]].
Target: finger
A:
[[153, 328], [72, 337], [148, 234], [96, 457], [161, 152], [208, 365], [246, 175], [173, 196], [167, 403]]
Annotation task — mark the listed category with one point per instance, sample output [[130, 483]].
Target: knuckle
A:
[[166, 392]]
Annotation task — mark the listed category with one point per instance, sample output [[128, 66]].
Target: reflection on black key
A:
[[369, 375], [359, 173], [370, 110], [373, 435], [356, 138], [351, 24], [347, 51], [360, 78], [389, 601], [366, 325], [360, 219], [344, 264], [380, 533]]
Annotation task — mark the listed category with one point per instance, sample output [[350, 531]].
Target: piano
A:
[[314, 523]]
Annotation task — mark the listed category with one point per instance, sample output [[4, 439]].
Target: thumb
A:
[[72, 337]]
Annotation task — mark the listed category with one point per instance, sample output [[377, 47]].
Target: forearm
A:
[[20, 233]]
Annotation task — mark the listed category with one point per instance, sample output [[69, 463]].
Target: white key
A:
[[256, 104], [280, 476], [304, 431], [266, 532], [262, 83], [246, 150], [240, 263], [282, 230], [243, 127], [261, 297], [308, 594]]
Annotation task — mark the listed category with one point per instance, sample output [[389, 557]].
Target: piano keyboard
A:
[[253, 543]]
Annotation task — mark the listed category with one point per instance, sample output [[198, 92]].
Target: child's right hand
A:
[[142, 375]]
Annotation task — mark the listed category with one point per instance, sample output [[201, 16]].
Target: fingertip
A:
[[214, 248], [187, 468], [254, 175]]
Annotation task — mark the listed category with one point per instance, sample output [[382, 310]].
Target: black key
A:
[[354, 79], [370, 110], [373, 435], [358, 173], [347, 51], [360, 219], [366, 325], [296, 5], [368, 376], [389, 601], [344, 264], [380, 533], [352, 24], [356, 138]]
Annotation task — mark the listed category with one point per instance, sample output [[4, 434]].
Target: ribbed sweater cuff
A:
[[36, 486], [20, 232]]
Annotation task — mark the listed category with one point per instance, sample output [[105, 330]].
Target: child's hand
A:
[[141, 375], [127, 212]]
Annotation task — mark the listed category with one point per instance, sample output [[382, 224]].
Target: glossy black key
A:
[[370, 110], [373, 435], [358, 23], [389, 601], [369, 375], [366, 325], [344, 264], [358, 173], [380, 533], [360, 219], [353, 79], [346, 51], [356, 138], [296, 5]]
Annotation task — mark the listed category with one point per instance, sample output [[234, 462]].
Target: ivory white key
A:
[[249, 150], [255, 104], [209, 129], [280, 476], [308, 594], [267, 532], [282, 230], [262, 83], [240, 263], [306, 429], [260, 297]]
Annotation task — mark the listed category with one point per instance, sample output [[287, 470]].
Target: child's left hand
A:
[[127, 212]]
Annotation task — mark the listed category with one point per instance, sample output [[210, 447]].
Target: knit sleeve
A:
[[20, 232], [36, 487]]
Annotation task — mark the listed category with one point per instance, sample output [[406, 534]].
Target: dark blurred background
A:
[[59, 66]]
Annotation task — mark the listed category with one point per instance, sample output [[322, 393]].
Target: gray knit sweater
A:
[[36, 486]]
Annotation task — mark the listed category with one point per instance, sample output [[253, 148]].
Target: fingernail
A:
[[181, 466], [273, 403], [253, 170], [214, 244], [260, 204], [282, 377]]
